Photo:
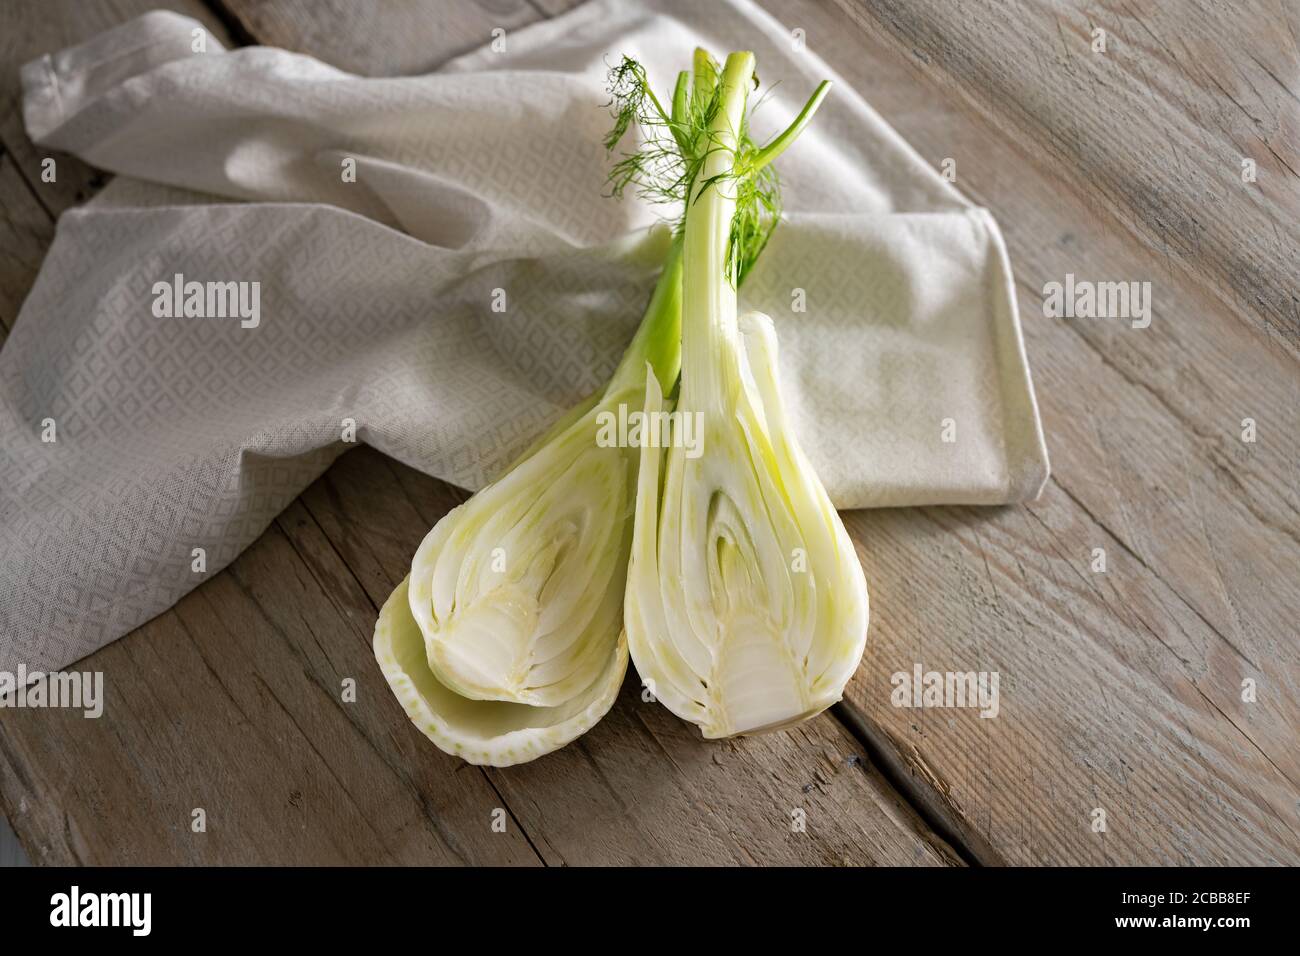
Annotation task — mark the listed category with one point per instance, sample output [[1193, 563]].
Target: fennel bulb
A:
[[505, 641], [746, 607]]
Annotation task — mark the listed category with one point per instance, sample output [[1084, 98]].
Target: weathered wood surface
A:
[[1153, 131], [11, 851], [1120, 691]]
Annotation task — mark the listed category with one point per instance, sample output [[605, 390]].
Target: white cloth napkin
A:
[[376, 296]]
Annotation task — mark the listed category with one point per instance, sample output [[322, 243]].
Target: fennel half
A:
[[504, 643], [746, 605]]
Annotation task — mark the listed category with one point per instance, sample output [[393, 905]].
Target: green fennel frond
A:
[[671, 149], [663, 164]]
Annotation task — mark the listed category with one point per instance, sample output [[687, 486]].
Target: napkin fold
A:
[[446, 302]]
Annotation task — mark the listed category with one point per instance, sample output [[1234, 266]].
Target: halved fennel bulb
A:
[[518, 590], [746, 607], [505, 641]]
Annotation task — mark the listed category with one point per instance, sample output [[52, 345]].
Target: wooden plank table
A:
[[1122, 690]]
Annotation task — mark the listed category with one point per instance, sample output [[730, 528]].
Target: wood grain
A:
[[1153, 130], [11, 851], [1123, 689]]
